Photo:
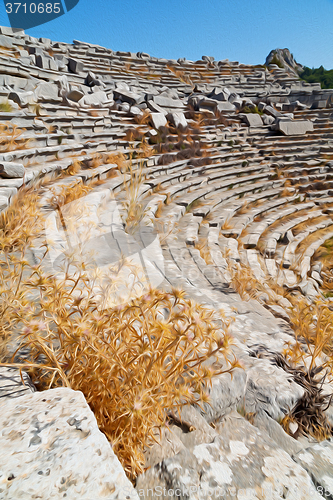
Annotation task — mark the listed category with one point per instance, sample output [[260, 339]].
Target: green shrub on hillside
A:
[[321, 75]]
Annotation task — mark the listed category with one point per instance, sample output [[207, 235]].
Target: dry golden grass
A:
[[133, 362], [312, 323], [159, 210], [143, 119], [74, 168], [308, 357], [227, 224], [20, 220], [67, 194], [245, 208], [133, 179], [181, 75], [287, 190], [314, 236], [202, 246], [165, 229], [244, 281], [299, 228], [10, 138]]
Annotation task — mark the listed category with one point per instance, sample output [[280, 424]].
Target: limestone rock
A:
[[299, 127], [178, 120], [252, 119], [55, 449], [95, 99], [271, 389], [167, 102], [11, 170], [75, 66], [135, 111], [92, 80], [273, 430], [75, 95], [47, 92], [268, 120], [286, 60], [3, 202], [317, 459], [23, 99], [127, 96], [225, 107], [269, 110], [158, 120], [239, 463], [155, 108], [6, 42], [45, 62], [225, 394]]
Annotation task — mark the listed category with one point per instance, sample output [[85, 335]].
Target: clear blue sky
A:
[[240, 30]]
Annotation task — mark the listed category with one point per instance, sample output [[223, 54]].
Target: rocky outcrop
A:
[[54, 449], [237, 462], [285, 59]]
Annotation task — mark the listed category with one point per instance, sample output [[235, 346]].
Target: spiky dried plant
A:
[[133, 361]]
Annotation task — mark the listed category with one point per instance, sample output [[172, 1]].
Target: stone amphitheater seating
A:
[[54, 134], [224, 193]]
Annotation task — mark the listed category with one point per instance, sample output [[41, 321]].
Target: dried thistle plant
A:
[[133, 361]]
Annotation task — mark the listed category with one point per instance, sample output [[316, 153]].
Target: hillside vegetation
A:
[[322, 75]]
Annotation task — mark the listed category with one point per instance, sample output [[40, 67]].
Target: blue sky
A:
[[240, 30]]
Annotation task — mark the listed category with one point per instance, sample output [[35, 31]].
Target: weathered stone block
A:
[[269, 110], [23, 98], [178, 120], [167, 102], [47, 92], [6, 42], [317, 460], [252, 119], [11, 170], [53, 448], [225, 107], [158, 120], [75, 66], [299, 127], [127, 96], [225, 394]]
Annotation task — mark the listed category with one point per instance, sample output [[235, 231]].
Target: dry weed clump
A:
[[10, 138], [181, 75], [20, 221], [203, 247], [133, 171], [133, 362], [310, 360], [244, 281]]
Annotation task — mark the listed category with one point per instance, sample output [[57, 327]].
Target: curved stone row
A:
[[230, 164]]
